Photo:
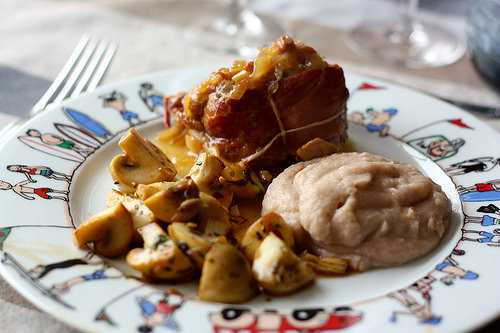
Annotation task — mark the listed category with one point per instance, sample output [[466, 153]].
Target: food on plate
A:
[[317, 147], [139, 212], [110, 232], [192, 227], [141, 163], [256, 233], [279, 270], [193, 243], [226, 276], [260, 112], [359, 206], [166, 204], [160, 258], [325, 265], [212, 203]]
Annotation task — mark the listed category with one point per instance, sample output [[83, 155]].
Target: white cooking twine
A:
[[261, 151]]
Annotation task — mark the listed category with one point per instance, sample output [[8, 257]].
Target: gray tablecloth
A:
[[36, 37]]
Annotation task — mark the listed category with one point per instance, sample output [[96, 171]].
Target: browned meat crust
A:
[[299, 90]]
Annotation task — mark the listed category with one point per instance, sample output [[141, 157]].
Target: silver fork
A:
[[82, 72]]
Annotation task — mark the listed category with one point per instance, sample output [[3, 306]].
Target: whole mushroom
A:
[[141, 163]]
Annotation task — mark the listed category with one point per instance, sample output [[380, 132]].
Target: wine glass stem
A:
[[410, 16], [236, 8]]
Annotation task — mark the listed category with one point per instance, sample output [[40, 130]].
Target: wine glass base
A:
[[221, 35], [427, 44]]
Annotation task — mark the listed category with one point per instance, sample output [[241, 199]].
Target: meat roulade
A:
[[260, 112]]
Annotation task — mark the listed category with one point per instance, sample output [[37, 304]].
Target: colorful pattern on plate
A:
[[60, 275]]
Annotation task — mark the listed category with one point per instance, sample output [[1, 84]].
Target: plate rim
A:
[[52, 309]]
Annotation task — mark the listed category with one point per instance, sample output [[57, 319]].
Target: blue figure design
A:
[[485, 220], [39, 170], [151, 97], [377, 121], [116, 100], [452, 270], [101, 273], [87, 122], [422, 309], [483, 237], [161, 313]]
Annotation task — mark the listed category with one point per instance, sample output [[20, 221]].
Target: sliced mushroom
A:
[[195, 245], [248, 187], [110, 231], [145, 191], [206, 171], [256, 233], [165, 204], [226, 276], [317, 148], [161, 258], [214, 217], [326, 265], [141, 163], [187, 210], [278, 270], [140, 213], [240, 182]]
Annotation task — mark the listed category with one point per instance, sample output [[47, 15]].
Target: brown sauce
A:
[[174, 146]]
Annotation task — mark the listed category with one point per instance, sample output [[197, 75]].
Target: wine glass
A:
[[410, 41], [233, 28]]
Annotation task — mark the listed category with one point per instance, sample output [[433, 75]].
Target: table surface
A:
[[38, 36]]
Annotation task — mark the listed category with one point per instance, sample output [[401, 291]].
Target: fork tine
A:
[[61, 76], [90, 69], [77, 71], [103, 66], [88, 61]]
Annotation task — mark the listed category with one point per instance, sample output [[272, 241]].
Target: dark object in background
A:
[[19, 91], [483, 35], [446, 7]]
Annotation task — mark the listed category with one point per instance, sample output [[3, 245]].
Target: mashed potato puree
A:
[[360, 206]]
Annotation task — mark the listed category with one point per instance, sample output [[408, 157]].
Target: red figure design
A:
[[234, 320]]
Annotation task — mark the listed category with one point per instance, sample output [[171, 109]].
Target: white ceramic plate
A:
[[54, 175]]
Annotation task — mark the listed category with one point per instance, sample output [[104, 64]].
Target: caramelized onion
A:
[[287, 92]]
